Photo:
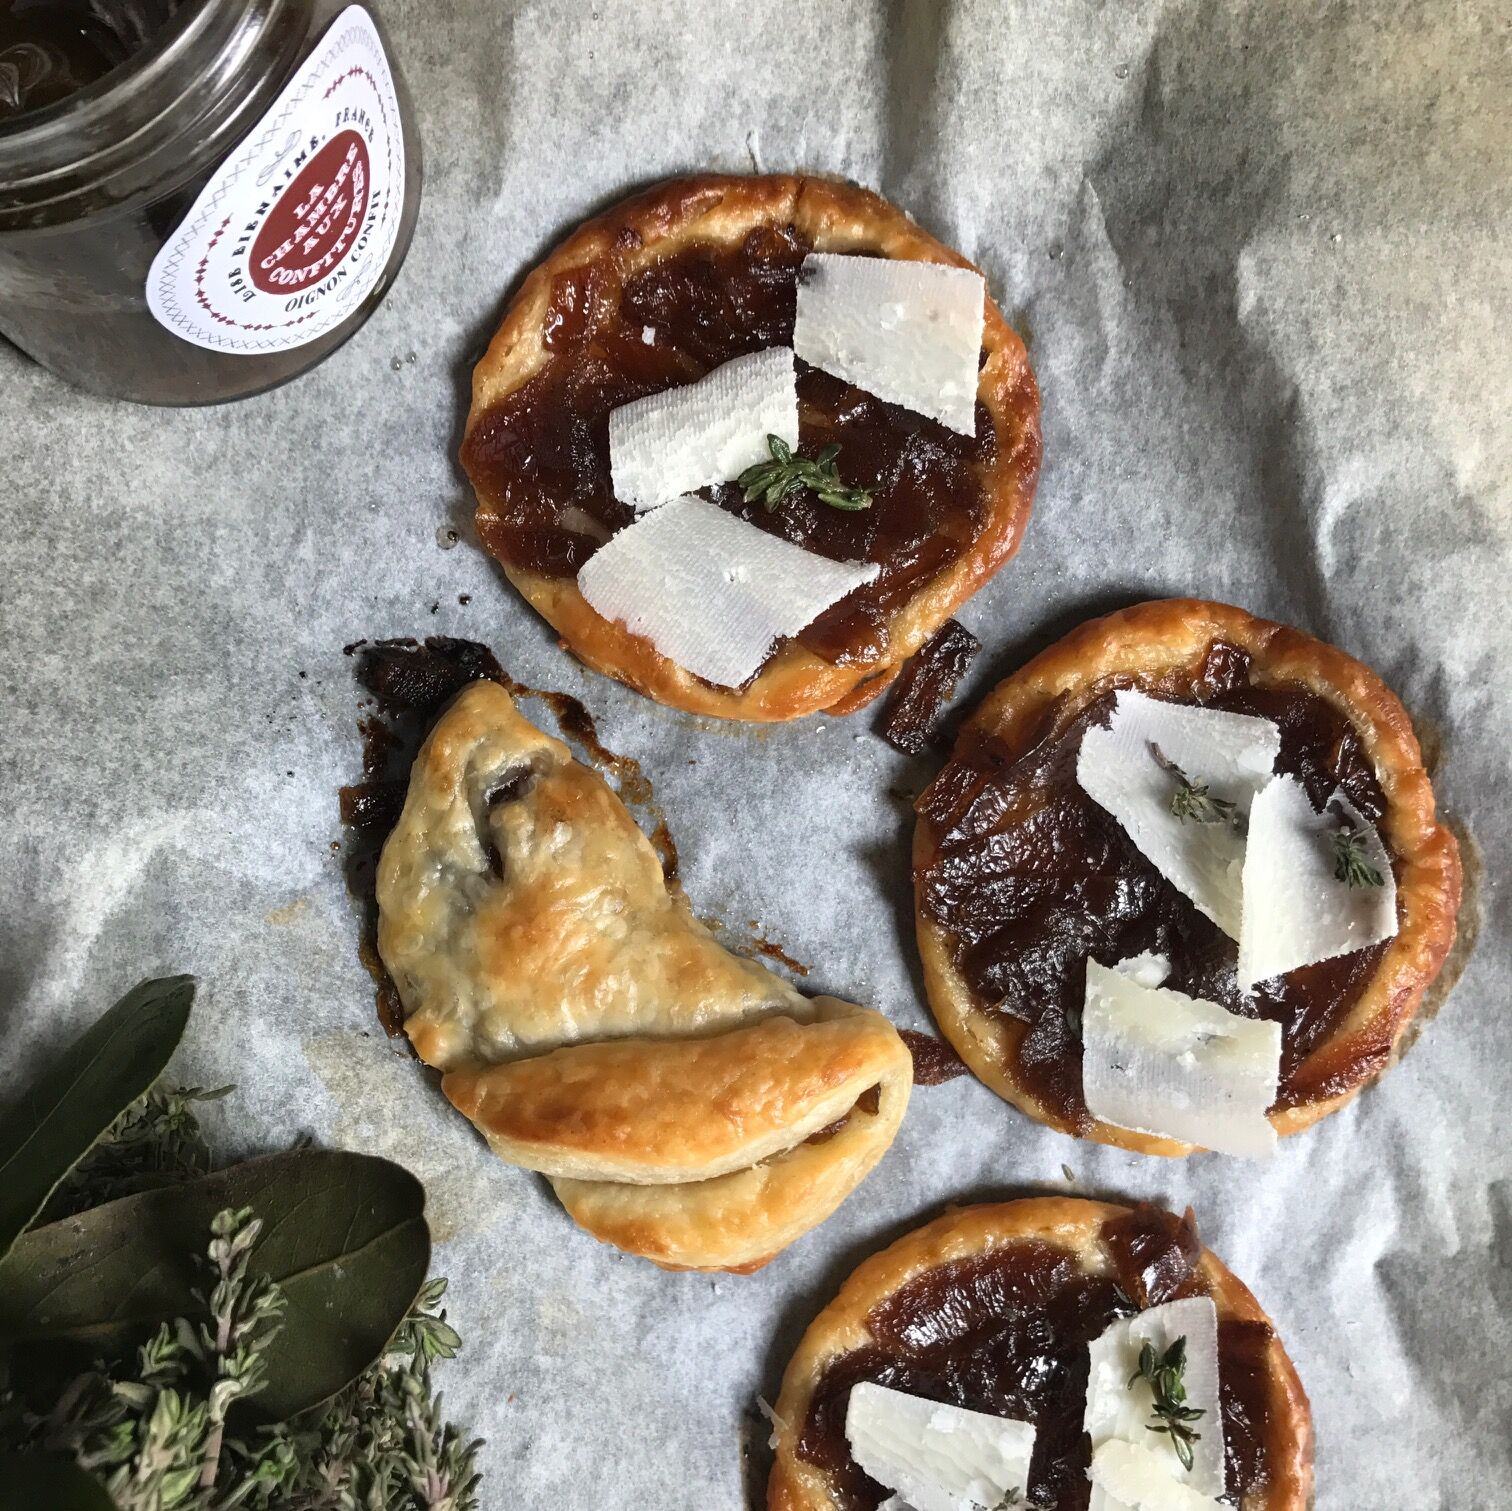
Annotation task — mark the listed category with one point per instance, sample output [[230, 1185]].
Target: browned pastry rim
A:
[[721, 209], [1172, 633], [1067, 1222]]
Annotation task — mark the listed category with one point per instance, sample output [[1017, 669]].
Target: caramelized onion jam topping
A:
[[539, 459], [1029, 878], [928, 680], [1006, 1332]]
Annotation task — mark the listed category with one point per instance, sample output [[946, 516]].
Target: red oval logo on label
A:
[[315, 222]]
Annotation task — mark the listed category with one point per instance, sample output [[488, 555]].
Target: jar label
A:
[[296, 226]]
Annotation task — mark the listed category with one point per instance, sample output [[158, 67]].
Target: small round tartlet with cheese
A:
[[747, 442], [1034, 1353], [1182, 884]]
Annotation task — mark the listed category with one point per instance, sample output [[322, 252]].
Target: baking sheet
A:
[[1258, 253]]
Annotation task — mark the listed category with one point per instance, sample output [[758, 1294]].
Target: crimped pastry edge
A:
[[1146, 638], [838, 217]]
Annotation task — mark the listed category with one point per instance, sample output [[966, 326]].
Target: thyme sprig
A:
[[154, 1142], [1352, 864], [1192, 800], [158, 1429], [1163, 1372], [786, 473]]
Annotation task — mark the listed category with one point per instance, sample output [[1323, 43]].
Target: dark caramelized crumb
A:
[[406, 676], [372, 805], [926, 682], [934, 1061]]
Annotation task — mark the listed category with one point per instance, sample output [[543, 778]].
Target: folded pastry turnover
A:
[[686, 1104]]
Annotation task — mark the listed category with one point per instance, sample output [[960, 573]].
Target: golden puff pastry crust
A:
[[1067, 1224], [1170, 637], [721, 210], [687, 1105]]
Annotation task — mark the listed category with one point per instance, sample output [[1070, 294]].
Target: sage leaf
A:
[[344, 1235], [31, 1481], [60, 1118]]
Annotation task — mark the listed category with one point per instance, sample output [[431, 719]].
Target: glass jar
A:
[[217, 213]]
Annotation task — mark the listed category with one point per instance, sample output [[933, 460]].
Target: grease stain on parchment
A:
[[381, 1099], [560, 1319], [290, 913]]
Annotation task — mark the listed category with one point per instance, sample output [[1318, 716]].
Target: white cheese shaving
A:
[[1128, 1477], [908, 332], [710, 591], [1148, 968], [1296, 911], [1130, 1463], [1232, 754], [1158, 1061], [705, 433], [936, 1457]]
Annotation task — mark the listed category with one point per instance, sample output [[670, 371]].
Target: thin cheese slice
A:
[[705, 433], [908, 332], [1129, 1477], [1158, 1061], [936, 1457], [710, 591], [1130, 1463], [1296, 911], [1232, 754]]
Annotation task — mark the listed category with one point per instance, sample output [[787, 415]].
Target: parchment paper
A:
[[1258, 252]]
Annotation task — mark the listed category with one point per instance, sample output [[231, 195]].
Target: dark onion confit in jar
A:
[[199, 199]]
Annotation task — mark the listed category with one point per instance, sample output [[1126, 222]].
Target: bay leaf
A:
[[60, 1118], [344, 1235], [34, 1481]]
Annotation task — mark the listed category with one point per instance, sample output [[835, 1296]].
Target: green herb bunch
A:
[[240, 1395], [155, 1142], [772, 481]]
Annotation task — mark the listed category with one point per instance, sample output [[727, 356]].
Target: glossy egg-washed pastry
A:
[[1020, 876], [710, 265], [992, 1308], [687, 1105]]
